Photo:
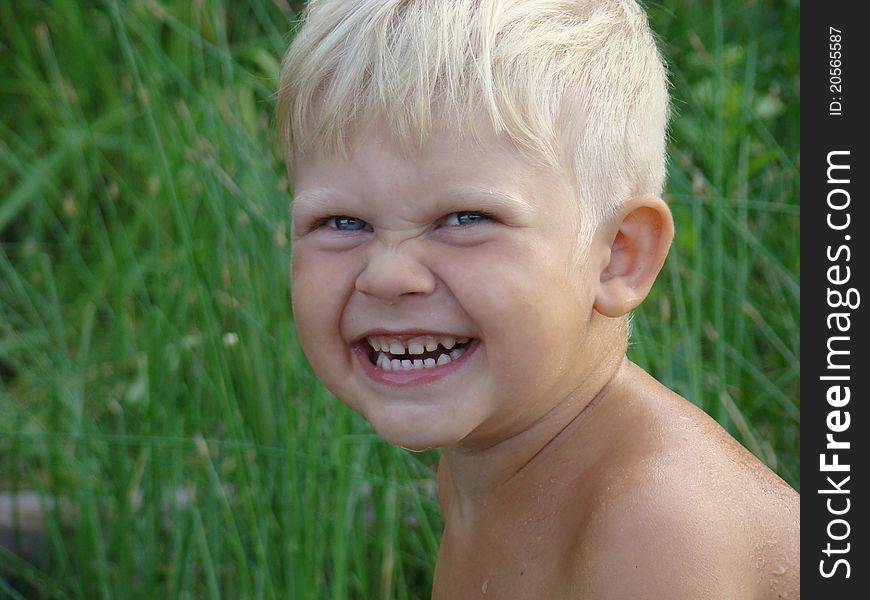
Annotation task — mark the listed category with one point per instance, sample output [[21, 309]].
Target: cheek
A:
[[524, 282], [531, 314], [316, 288], [304, 290]]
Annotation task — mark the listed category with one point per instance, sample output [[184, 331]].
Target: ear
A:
[[639, 239]]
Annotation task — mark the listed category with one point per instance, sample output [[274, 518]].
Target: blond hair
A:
[[573, 82]]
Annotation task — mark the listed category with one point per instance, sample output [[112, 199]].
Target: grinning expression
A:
[[442, 294]]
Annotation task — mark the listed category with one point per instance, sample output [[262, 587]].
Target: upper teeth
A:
[[387, 364], [413, 346]]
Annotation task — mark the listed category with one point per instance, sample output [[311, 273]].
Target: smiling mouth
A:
[[421, 352]]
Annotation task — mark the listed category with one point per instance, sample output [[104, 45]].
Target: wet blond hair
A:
[[575, 83]]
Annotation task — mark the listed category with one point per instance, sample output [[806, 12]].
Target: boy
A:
[[476, 212]]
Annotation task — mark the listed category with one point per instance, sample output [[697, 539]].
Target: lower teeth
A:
[[386, 364]]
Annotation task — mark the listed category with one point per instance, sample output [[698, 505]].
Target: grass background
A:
[[152, 392]]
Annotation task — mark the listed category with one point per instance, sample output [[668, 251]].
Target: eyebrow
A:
[[488, 197], [491, 197], [315, 196], [316, 200]]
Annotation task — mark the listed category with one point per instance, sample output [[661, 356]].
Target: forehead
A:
[[478, 160]]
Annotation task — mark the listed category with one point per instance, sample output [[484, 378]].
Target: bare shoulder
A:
[[692, 515]]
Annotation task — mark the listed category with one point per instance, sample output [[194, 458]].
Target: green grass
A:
[[149, 371], [722, 325]]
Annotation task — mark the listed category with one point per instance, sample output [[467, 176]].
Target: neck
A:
[[474, 481]]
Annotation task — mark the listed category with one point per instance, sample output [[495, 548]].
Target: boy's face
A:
[[397, 258]]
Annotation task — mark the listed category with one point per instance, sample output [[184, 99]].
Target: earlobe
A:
[[639, 243]]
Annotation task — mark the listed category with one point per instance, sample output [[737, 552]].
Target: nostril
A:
[[389, 276]]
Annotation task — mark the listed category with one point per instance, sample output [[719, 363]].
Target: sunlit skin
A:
[[567, 471]]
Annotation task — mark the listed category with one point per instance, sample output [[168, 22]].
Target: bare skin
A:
[[640, 495], [567, 471]]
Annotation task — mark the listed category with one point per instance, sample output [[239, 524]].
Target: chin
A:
[[417, 433]]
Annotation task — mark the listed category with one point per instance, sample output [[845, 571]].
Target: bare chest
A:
[[510, 562]]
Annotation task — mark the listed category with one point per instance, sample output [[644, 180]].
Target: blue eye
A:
[[345, 223], [466, 218]]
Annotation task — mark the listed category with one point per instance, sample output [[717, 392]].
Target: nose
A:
[[392, 273]]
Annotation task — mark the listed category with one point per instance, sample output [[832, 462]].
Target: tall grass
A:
[[722, 325], [151, 388]]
